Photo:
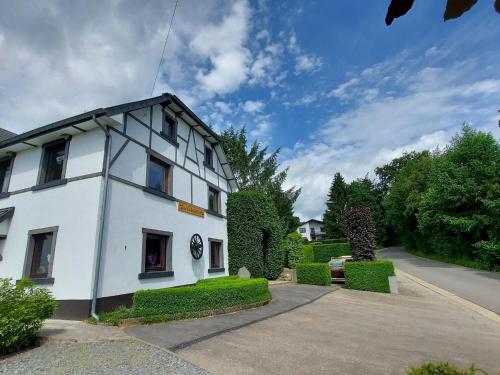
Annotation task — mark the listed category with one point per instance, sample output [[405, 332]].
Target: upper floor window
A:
[[54, 158], [302, 230], [5, 172], [213, 200], [169, 127], [209, 157], [159, 175]]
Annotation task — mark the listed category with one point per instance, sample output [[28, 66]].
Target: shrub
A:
[[314, 273], [307, 254], [361, 233], [23, 308], [334, 240], [293, 249], [372, 276], [323, 253], [206, 295], [221, 279], [255, 234], [443, 368]]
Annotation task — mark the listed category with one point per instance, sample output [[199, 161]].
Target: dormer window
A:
[[209, 158], [169, 127]]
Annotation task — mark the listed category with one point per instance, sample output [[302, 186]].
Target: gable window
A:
[[209, 158], [159, 175], [5, 173], [216, 256], [40, 256], [157, 254], [54, 158], [169, 127], [213, 200], [302, 230]]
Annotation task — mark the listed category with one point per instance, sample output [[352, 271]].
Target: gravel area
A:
[[107, 357]]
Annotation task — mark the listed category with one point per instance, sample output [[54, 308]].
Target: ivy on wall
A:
[[255, 234]]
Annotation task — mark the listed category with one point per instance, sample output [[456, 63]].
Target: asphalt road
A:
[[480, 287]]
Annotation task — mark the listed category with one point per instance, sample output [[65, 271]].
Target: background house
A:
[[100, 205], [312, 230]]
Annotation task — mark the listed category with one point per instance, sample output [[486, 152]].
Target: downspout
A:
[[101, 219]]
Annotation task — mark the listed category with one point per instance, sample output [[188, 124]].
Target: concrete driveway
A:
[[480, 287], [352, 332]]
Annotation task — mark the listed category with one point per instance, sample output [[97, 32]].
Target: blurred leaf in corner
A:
[[497, 6], [455, 8], [398, 8]]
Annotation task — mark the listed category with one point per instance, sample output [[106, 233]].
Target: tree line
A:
[[442, 202]]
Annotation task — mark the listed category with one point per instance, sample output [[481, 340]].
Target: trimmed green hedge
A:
[[324, 253], [444, 368], [292, 246], [314, 273], [308, 254], [334, 240], [206, 295], [255, 234], [372, 276]]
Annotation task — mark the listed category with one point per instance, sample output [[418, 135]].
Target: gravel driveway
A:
[[106, 357]]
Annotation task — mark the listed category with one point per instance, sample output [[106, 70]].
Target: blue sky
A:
[[327, 82]]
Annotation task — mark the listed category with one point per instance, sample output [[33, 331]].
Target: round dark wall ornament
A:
[[196, 246]]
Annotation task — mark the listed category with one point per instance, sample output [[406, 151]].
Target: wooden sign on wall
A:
[[191, 209]]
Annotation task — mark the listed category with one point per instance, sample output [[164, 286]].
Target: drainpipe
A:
[[101, 218]]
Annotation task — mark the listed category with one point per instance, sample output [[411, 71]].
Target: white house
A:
[[312, 229], [97, 206]]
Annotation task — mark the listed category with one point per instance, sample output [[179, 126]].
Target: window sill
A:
[[209, 166], [50, 184], [213, 213], [154, 275], [215, 270], [41, 280], [168, 139], [4, 195], [158, 193]]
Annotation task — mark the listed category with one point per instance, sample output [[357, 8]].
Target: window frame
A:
[[170, 181], [166, 123], [42, 172], [30, 248], [7, 177], [168, 272], [221, 267], [210, 152], [219, 208]]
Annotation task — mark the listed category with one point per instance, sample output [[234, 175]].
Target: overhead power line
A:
[[164, 47]]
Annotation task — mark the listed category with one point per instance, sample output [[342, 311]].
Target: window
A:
[[209, 162], [302, 230], [156, 254], [216, 256], [159, 175], [169, 128], [213, 200], [40, 257], [54, 158], [5, 172]]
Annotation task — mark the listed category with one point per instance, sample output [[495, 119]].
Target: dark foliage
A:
[[314, 273], [360, 233], [371, 276], [255, 235], [336, 205]]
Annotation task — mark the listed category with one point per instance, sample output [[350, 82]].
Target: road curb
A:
[[453, 297]]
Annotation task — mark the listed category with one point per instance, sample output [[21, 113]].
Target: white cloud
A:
[[341, 91], [223, 107], [307, 63], [253, 106], [261, 130]]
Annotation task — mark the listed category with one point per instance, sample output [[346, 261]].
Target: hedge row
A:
[[324, 253], [308, 254], [372, 276], [314, 273], [205, 295], [334, 240]]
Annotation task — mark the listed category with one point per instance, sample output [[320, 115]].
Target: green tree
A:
[[336, 206], [254, 170]]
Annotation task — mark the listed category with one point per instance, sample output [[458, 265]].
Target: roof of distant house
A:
[[311, 220]]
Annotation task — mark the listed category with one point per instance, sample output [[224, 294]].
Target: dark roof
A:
[[308, 221], [109, 111], [5, 213], [5, 134]]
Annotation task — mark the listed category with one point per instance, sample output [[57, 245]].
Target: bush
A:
[[210, 294], [307, 254], [323, 253], [443, 368], [372, 276], [361, 233], [334, 240], [255, 234], [23, 308], [314, 273], [292, 246]]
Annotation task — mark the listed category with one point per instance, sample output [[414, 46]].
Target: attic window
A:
[[209, 157], [54, 157], [169, 127]]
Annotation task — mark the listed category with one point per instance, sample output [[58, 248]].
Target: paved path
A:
[[177, 335], [480, 287]]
